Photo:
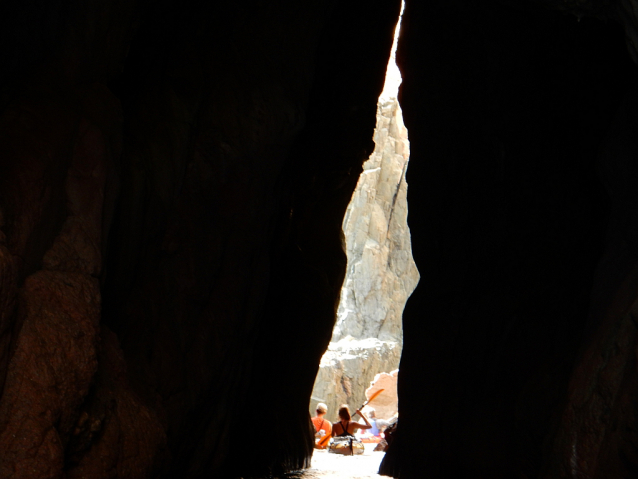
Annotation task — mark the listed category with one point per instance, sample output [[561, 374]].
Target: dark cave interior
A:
[[173, 179]]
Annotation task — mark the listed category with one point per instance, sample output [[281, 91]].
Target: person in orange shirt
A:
[[322, 427]]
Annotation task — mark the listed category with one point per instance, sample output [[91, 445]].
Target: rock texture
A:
[[381, 273], [65, 180]]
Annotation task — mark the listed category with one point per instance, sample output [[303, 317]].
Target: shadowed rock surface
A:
[[518, 355], [171, 219], [173, 181]]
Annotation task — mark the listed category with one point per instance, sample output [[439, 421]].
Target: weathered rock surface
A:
[[381, 273]]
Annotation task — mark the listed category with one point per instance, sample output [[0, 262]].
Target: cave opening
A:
[[173, 180], [365, 348]]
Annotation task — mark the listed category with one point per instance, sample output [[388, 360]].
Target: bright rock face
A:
[[381, 273], [386, 404]]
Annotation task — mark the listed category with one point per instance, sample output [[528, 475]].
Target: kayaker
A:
[[345, 426], [322, 427], [374, 430]]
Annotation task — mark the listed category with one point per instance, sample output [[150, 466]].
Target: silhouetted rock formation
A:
[[518, 357], [173, 180], [165, 176]]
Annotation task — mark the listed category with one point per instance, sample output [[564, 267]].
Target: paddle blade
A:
[[374, 396], [323, 442]]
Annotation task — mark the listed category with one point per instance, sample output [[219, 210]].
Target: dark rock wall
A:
[[246, 131], [519, 355], [172, 185], [60, 141]]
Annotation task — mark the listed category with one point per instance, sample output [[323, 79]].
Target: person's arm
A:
[[357, 425], [333, 429]]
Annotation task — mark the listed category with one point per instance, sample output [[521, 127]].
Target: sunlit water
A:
[[336, 466]]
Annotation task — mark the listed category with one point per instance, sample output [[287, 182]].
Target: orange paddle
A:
[[371, 398], [324, 440]]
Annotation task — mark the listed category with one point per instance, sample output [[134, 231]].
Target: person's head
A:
[[371, 413], [344, 412], [321, 408]]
